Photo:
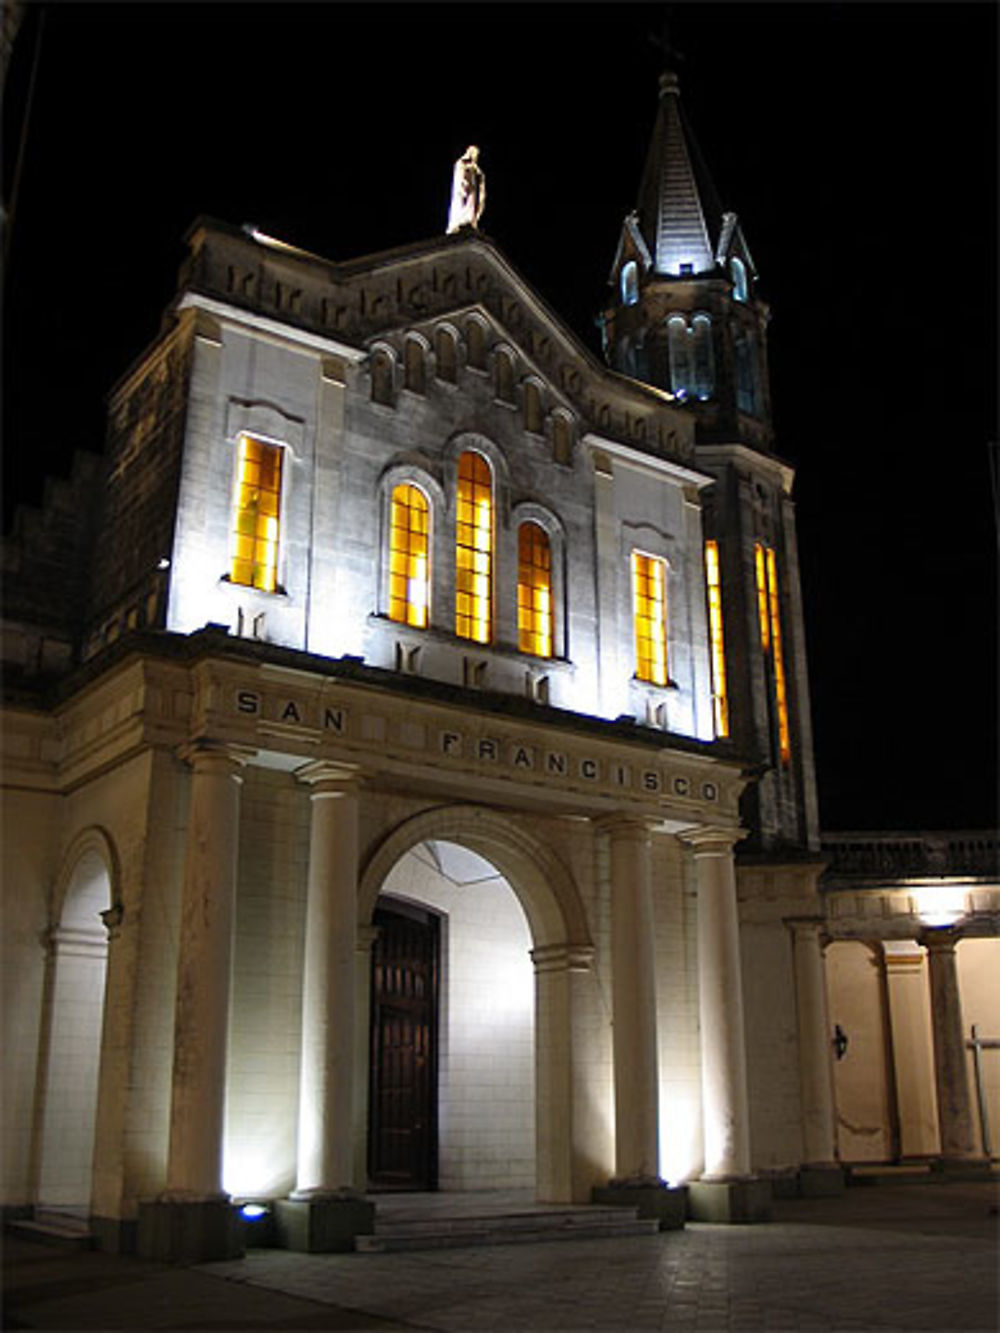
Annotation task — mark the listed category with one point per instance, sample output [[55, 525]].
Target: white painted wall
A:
[[486, 1080]]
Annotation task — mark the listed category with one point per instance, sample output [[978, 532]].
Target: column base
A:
[[821, 1180], [747, 1199], [115, 1235], [669, 1205], [189, 1232], [966, 1168], [323, 1225]]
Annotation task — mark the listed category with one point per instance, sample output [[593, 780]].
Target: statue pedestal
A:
[[323, 1225], [747, 1199], [668, 1205]]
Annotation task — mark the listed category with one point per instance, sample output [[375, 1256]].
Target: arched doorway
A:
[[75, 984], [517, 959], [452, 1071]]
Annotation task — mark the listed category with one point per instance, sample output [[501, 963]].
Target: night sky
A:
[[857, 143]]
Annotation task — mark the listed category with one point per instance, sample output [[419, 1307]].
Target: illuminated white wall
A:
[[979, 987], [486, 1083], [860, 1079], [341, 450]]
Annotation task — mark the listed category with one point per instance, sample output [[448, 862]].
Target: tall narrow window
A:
[[532, 408], [475, 336], [534, 590], [630, 283], [704, 361], [681, 375], [382, 377], [504, 377], [649, 612], [413, 365], [408, 552], [474, 549], [255, 523], [738, 271], [720, 693], [769, 614], [444, 355]]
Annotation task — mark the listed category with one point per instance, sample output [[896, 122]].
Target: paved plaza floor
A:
[[881, 1257]]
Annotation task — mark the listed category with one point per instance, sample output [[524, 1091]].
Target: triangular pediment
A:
[[382, 297]]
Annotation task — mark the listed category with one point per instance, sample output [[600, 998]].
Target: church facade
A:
[[408, 770]]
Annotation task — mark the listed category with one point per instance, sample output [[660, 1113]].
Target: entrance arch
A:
[[554, 943], [74, 1012]]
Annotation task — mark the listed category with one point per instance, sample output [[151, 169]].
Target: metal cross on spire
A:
[[661, 40]]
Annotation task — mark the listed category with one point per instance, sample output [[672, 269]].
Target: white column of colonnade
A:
[[198, 1094], [720, 1004], [958, 1139], [633, 999], [326, 1149], [815, 1050]]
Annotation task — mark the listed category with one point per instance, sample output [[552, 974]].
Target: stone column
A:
[[720, 1005], [633, 999], [815, 1050], [197, 1110], [326, 1211], [326, 1089], [192, 1221], [958, 1139], [820, 1173]]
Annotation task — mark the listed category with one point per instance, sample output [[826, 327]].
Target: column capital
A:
[[206, 756], [940, 939], [563, 957], [711, 839], [808, 925], [326, 776], [636, 827]]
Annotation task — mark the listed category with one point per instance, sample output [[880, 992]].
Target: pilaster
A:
[[958, 1142]]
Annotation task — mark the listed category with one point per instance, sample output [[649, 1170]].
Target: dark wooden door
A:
[[402, 1132]]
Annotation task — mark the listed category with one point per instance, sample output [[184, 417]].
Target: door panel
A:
[[402, 1136]]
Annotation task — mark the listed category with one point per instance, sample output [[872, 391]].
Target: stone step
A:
[[49, 1227], [510, 1229]]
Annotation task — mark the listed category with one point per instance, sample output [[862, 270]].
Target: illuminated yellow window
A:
[[534, 590], [255, 524], [474, 549], [720, 694], [408, 550], [649, 609], [769, 612]]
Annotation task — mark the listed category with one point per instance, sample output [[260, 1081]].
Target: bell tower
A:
[[684, 313]]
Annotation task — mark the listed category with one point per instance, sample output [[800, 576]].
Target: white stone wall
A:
[[860, 1079], [486, 1084], [979, 987]]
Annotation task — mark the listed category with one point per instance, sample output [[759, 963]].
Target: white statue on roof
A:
[[468, 191]]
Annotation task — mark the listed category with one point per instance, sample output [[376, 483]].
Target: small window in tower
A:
[[744, 350], [445, 356], [381, 377], [408, 557], [562, 440], [630, 283], [256, 519], [681, 376], [534, 590], [532, 408], [720, 695], [413, 366], [769, 615], [649, 613], [738, 271], [474, 549], [704, 360]]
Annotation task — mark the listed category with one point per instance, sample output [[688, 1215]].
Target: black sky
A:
[[857, 142]]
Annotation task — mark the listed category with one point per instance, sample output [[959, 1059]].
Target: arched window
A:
[[475, 336], [745, 354], [413, 366], [534, 590], [649, 614], [704, 361], [716, 639], [504, 376], [680, 355], [256, 519], [474, 549], [382, 377], [630, 283], [562, 440], [738, 272], [532, 408], [444, 355], [409, 580]]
